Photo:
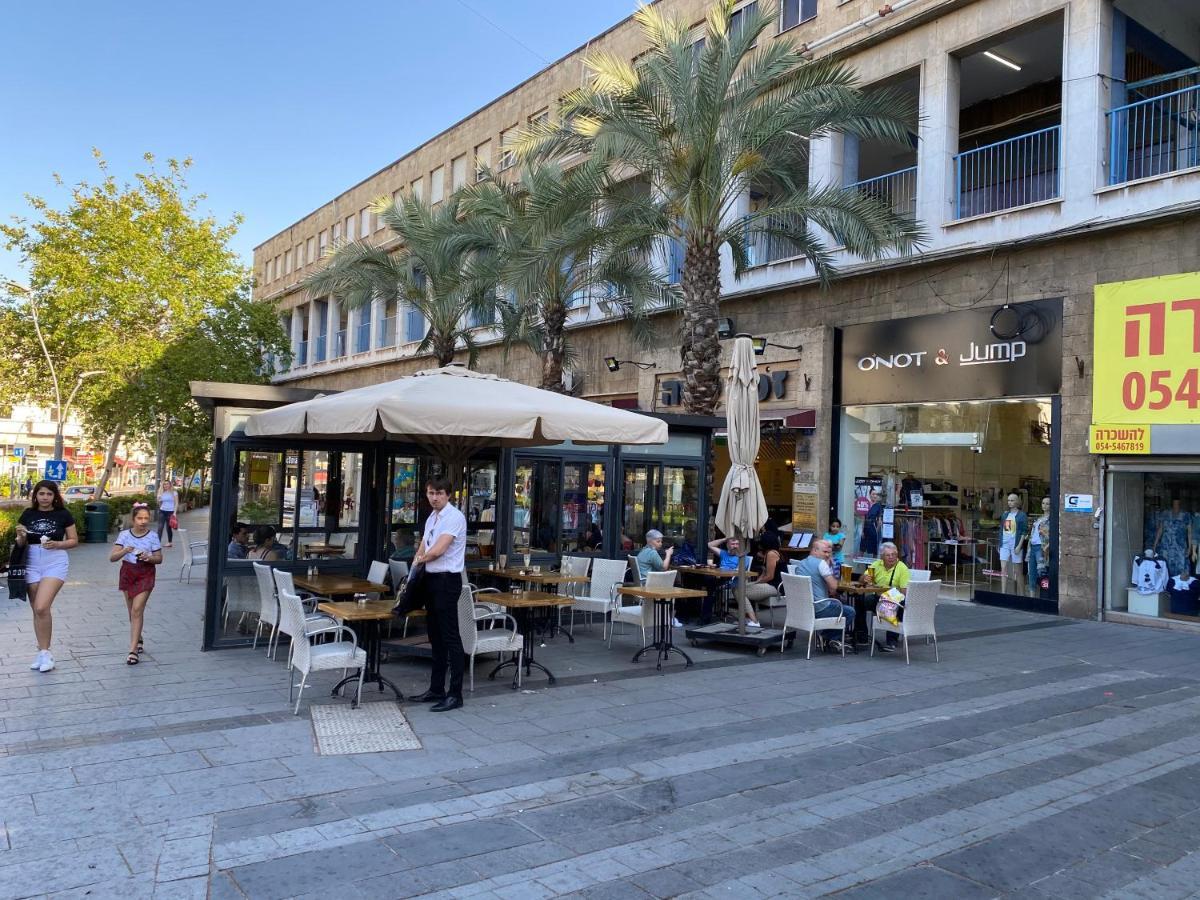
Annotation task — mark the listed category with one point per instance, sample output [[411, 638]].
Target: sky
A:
[[280, 105]]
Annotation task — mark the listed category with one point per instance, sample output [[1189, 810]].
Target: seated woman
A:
[[265, 547], [769, 562], [888, 571]]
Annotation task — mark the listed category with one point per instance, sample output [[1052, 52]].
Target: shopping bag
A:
[[173, 521], [17, 588], [888, 607]]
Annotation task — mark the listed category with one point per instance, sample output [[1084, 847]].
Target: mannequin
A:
[[1173, 539], [1039, 548], [1014, 532]]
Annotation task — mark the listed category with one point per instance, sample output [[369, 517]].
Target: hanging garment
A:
[[1185, 595], [1173, 540], [1149, 574]]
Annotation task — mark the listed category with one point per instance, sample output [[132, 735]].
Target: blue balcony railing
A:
[[302, 353], [387, 331], [895, 189], [339, 344], [1155, 136], [1014, 172], [675, 253], [414, 325], [319, 348], [362, 337], [763, 248]]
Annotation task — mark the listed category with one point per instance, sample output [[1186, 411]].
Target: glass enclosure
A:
[[663, 496], [408, 508], [963, 489], [1153, 541]]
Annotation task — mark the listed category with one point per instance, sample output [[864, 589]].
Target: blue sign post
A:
[[55, 470], [18, 451]]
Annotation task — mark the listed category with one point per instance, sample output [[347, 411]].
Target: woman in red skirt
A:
[[139, 550]]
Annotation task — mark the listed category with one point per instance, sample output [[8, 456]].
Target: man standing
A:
[[443, 555], [818, 566]]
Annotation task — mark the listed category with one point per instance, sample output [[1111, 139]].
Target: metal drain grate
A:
[[372, 728]]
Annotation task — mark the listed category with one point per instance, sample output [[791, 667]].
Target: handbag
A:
[[18, 589], [173, 522], [408, 593], [888, 607]]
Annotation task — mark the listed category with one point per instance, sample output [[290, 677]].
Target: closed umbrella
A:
[[742, 509]]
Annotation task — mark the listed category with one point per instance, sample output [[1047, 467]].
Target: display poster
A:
[[863, 485], [1147, 352], [259, 469], [804, 508]]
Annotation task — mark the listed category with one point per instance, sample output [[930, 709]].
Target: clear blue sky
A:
[[281, 105]]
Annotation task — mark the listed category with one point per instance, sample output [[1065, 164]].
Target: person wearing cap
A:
[[651, 558]]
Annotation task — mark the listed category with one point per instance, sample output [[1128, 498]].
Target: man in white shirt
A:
[[442, 554]]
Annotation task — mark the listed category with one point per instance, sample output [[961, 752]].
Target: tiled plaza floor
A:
[[1040, 758]]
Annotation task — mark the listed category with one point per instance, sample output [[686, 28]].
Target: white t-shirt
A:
[[149, 542], [1149, 575], [166, 501], [447, 521], [1035, 533]]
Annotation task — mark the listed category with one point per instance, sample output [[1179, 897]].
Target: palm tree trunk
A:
[[554, 321], [444, 351], [701, 285]]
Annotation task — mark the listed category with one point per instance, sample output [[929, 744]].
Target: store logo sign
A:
[[976, 355], [771, 385]]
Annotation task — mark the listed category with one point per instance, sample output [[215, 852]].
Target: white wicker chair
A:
[[307, 657], [920, 607], [601, 595], [491, 640], [642, 615], [313, 622], [802, 613], [195, 553], [268, 607]]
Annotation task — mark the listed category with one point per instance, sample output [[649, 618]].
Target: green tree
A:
[[705, 121], [116, 276], [432, 273], [545, 243]]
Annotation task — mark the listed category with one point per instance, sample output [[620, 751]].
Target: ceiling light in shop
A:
[[938, 439], [996, 57]]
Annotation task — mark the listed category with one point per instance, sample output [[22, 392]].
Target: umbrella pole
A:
[[740, 589]]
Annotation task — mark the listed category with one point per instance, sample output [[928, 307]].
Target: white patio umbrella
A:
[[453, 411], [742, 509]]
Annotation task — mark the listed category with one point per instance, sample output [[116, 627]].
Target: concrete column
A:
[[937, 141], [1088, 54]]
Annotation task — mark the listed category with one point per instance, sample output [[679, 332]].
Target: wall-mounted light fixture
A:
[[797, 347], [724, 329], [1079, 366], [614, 364]]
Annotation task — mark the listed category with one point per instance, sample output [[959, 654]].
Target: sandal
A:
[[141, 648], [132, 659]]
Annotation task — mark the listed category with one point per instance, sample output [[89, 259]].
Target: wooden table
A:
[[727, 576], [335, 586], [371, 616], [858, 591], [710, 571], [323, 550], [522, 606], [662, 598]]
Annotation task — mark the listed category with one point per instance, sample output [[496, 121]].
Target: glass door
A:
[[537, 488], [664, 496]]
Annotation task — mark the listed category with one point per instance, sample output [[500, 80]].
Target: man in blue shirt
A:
[[818, 566]]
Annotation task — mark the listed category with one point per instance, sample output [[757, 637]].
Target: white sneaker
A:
[[47, 662], [753, 625], [37, 660], [675, 623]]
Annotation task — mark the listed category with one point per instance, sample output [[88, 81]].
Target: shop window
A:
[[408, 508], [1153, 542], [936, 479], [665, 497]]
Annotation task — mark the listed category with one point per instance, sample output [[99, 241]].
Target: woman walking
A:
[[139, 550], [167, 501], [47, 528]]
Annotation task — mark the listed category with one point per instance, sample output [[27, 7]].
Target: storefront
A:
[[1146, 433], [947, 444]]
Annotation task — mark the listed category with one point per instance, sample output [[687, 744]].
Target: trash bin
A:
[[95, 518]]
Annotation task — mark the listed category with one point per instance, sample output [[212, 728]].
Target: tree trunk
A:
[[443, 351], [701, 349], [109, 460], [554, 350], [160, 455]]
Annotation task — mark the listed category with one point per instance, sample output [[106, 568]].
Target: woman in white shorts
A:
[[47, 528]]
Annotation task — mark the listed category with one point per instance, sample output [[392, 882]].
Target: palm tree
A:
[[705, 122], [548, 243], [431, 272]]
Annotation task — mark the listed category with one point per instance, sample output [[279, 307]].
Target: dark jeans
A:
[[441, 591], [164, 521]]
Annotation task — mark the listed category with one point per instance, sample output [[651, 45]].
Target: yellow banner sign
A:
[[1147, 351], [1119, 438]]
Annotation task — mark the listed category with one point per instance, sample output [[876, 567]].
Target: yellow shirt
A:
[[896, 577]]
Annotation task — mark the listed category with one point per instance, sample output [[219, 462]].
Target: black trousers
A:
[[441, 592]]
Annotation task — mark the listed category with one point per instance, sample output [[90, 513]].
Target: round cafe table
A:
[[858, 592]]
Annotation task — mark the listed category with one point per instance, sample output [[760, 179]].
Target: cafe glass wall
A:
[[559, 502], [407, 508], [941, 474], [662, 490], [1156, 509]]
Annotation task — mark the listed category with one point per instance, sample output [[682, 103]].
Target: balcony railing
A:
[[675, 254], [895, 189], [387, 331], [1154, 136], [319, 348], [362, 337], [1013, 172], [763, 249], [414, 325], [302, 353], [339, 344]]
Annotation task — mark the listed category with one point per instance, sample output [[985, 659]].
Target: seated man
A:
[[239, 537], [888, 571], [726, 551], [818, 566], [649, 558], [403, 542]]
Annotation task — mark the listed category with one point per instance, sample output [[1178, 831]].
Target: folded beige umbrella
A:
[[453, 411]]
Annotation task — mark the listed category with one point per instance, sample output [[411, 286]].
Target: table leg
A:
[[373, 644], [524, 617], [663, 643]]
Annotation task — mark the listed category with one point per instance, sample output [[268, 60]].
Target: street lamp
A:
[[65, 409]]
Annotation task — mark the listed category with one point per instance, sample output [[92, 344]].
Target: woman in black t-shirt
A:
[[47, 528]]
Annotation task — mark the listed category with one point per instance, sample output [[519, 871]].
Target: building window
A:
[[437, 184], [418, 189], [364, 223], [737, 21], [299, 257], [267, 274], [310, 251], [324, 241], [397, 196], [349, 228], [458, 173], [793, 12], [508, 158], [541, 117], [278, 266], [337, 231], [483, 159], [287, 263]]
